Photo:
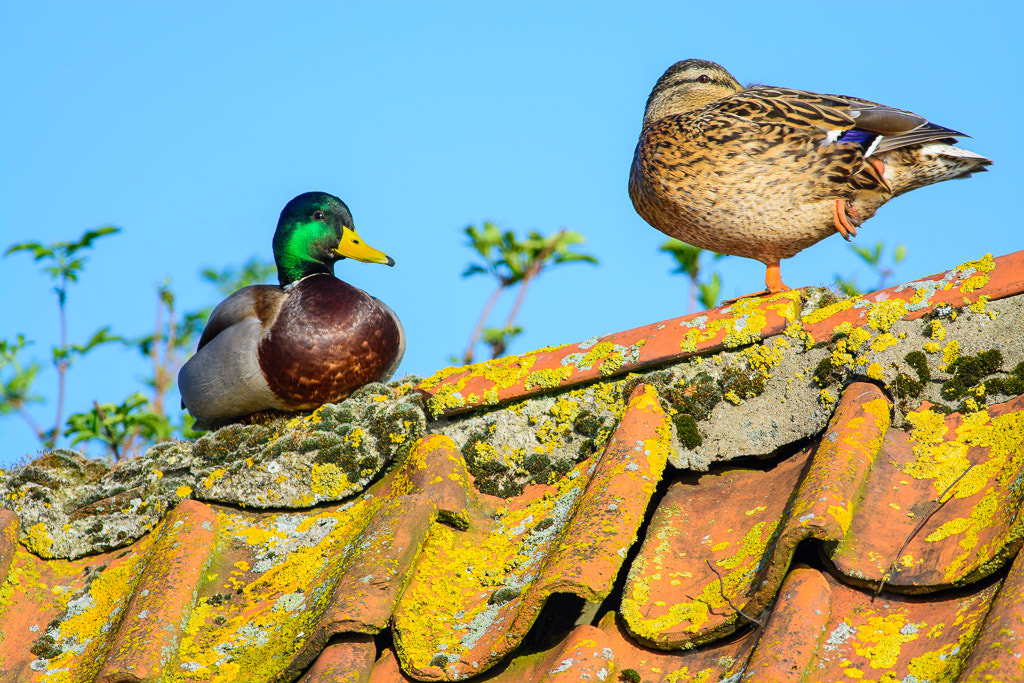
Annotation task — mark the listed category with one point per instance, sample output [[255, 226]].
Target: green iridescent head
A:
[[314, 232]]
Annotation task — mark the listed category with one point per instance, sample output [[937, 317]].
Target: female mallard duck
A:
[[311, 341], [764, 172]]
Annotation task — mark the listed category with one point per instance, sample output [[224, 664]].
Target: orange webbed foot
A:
[[773, 283], [846, 218]]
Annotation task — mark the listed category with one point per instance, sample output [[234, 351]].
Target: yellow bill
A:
[[353, 246]]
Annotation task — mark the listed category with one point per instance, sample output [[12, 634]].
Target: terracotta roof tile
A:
[[454, 390], [478, 591], [348, 661], [637, 539]]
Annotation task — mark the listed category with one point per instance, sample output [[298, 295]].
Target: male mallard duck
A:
[[764, 172], [311, 341]]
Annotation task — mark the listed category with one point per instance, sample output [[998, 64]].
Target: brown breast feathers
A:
[[329, 339]]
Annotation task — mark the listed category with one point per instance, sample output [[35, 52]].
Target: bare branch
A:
[[467, 357], [721, 591], [110, 434], [939, 502]]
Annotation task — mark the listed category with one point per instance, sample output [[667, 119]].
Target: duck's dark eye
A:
[[318, 215], [703, 78]]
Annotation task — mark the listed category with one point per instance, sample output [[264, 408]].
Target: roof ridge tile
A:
[[458, 389]]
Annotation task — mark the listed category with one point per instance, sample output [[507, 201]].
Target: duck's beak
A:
[[353, 246]]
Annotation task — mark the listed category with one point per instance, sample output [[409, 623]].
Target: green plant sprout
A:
[[125, 428], [873, 258], [688, 260], [513, 262], [63, 262]]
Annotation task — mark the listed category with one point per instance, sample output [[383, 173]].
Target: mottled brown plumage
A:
[[764, 172], [311, 341]]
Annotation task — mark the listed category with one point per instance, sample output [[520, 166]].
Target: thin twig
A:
[[467, 357], [107, 429], [169, 369], [721, 591], [154, 354], [30, 421], [62, 365], [920, 525], [536, 265]]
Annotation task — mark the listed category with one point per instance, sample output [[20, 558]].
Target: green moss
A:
[[469, 449], [224, 445], [500, 488], [630, 676], [395, 427], [825, 372], [503, 595], [453, 519], [827, 298], [744, 382], [918, 361], [587, 424], [321, 441], [1010, 385], [586, 449], [907, 386], [697, 397], [562, 466], [537, 463], [46, 647], [686, 430], [968, 372]]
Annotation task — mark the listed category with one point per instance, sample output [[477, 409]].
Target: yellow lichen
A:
[[39, 539], [883, 341], [983, 267], [826, 312], [547, 379], [884, 314], [329, 481], [213, 477], [950, 353], [881, 639]]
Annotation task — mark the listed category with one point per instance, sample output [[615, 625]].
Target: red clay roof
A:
[[622, 568]]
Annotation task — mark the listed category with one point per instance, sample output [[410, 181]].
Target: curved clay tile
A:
[[655, 487]]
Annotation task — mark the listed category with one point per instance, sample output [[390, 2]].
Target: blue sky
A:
[[190, 126]]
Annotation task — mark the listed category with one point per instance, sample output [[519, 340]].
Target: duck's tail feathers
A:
[[908, 169]]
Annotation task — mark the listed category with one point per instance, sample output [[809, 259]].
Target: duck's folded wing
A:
[[796, 109], [256, 301], [814, 112], [898, 128]]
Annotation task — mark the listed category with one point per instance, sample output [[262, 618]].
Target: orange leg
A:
[[773, 279], [879, 166], [843, 225]]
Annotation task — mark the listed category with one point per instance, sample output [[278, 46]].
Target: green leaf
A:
[[114, 425], [16, 378], [99, 337], [847, 286], [708, 293], [255, 271]]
